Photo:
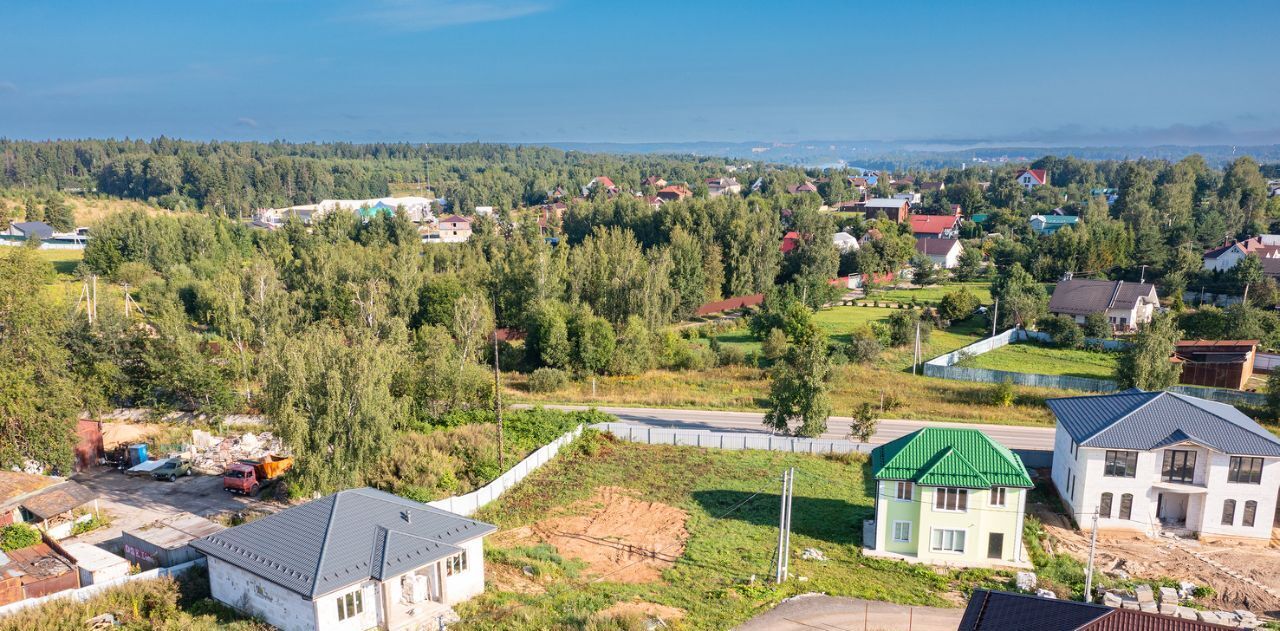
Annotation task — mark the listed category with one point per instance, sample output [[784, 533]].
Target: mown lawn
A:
[[722, 578], [932, 294], [1046, 360], [64, 261]]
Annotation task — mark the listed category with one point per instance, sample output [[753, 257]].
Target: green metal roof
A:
[[937, 456]]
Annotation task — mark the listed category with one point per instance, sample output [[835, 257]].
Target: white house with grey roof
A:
[[1158, 462], [357, 559]]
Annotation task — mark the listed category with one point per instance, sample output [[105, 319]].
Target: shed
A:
[[165, 543], [1216, 363], [16, 486], [53, 508], [33, 572], [95, 564]]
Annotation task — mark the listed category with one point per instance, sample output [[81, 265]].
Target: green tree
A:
[[1097, 326], [1273, 395], [593, 343], [547, 342], [903, 325], [958, 305], [864, 423], [329, 395], [1145, 364], [38, 396], [969, 266], [923, 270], [799, 392], [633, 351], [1022, 300]]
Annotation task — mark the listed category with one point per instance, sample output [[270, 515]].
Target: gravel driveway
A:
[[816, 611], [134, 501]]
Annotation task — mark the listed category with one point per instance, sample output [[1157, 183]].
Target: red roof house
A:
[[940, 226]]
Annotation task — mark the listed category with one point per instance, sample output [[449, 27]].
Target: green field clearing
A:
[[1045, 360], [932, 294], [64, 261], [732, 508]]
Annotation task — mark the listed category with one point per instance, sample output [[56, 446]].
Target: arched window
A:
[[1104, 507], [1250, 510], [1126, 505], [1229, 513]]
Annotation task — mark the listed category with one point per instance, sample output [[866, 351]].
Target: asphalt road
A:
[[814, 611], [1011, 436]]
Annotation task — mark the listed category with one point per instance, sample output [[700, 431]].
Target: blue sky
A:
[[655, 71]]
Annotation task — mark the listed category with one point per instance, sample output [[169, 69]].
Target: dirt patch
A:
[[1146, 558], [621, 538], [640, 608], [115, 433], [504, 578]]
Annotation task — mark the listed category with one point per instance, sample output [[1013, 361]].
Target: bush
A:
[[731, 356], [1096, 325], [902, 327], [17, 537], [775, 345], [864, 345], [547, 380], [1002, 394], [1063, 330]]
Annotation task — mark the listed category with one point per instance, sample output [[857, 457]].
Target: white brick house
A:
[[1159, 461], [357, 559]]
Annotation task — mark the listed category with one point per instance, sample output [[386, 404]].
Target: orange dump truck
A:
[[249, 476]]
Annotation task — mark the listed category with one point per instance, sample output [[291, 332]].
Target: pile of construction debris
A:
[[212, 454], [1171, 604]]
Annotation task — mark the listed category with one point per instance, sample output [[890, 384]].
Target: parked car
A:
[[171, 469]]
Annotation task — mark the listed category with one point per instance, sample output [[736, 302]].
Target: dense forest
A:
[[362, 329]]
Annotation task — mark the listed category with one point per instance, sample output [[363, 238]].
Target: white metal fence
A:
[[944, 366], [471, 502], [730, 440], [85, 593]]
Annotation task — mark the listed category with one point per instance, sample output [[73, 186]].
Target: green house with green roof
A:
[[948, 496]]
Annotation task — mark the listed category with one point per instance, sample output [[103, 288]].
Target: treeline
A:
[[234, 178]]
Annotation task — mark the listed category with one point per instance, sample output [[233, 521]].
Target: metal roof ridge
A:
[[324, 543], [1271, 438], [1121, 417], [952, 451]]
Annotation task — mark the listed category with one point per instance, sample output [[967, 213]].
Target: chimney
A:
[[406, 516]]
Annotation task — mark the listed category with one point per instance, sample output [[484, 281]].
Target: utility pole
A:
[[784, 527], [497, 385], [915, 352], [1245, 300], [995, 317], [1093, 545]]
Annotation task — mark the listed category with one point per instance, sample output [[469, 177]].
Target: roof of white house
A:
[[345, 538], [1140, 420]]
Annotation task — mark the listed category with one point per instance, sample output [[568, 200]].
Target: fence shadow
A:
[[826, 519]]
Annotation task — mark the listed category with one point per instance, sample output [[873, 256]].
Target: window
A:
[[1229, 513], [351, 604], [948, 541], [997, 496], [1104, 507], [455, 564], [1250, 511], [1126, 505], [1244, 470], [1121, 464], [951, 499], [905, 491], [902, 531], [1179, 466]]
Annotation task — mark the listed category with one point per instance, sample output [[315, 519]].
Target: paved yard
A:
[[816, 611], [134, 501]]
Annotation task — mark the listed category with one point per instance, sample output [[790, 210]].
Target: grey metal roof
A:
[[35, 229], [884, 202], [1007, 611], [1140, 420], [347, 537], [1080, 296]]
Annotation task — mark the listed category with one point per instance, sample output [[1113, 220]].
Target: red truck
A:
[[249, 476]]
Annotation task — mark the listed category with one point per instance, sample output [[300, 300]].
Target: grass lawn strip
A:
[[1046, 360]]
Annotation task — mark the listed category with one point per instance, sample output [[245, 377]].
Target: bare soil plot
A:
[[621, 539], [1145, 558]]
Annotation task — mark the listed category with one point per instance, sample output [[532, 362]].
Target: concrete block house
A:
[[357, 559], [1161, 462], [948, 496]]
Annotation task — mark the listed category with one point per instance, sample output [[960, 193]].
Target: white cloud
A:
[[425, 15], [245, 121]]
